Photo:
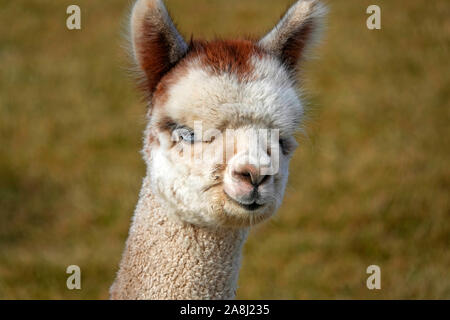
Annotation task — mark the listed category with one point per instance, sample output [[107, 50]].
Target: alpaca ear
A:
[[297, 30], [156, 43]]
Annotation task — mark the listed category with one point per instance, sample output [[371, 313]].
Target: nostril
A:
[[243, 176], [251, 176], [264, 179]]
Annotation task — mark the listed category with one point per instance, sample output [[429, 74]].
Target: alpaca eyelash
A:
[[176, 126]]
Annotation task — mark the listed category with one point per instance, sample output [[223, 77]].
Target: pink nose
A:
[[248, 174]]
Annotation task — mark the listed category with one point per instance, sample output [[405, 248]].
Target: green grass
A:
[[369, 185]]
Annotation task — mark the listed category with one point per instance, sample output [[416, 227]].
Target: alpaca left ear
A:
[[157, 45], [297, 30]]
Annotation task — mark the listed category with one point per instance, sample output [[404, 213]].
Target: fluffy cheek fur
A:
[[180, 187], [192, 192]]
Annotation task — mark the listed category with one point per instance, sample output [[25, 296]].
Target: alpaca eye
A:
[[287, 145], [187, 135], [282, 143]]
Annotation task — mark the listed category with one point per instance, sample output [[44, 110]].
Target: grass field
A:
[[370, 183]]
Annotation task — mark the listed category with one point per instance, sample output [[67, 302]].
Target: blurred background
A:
[[369, 184]]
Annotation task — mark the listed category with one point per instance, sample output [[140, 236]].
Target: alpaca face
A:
[[222, 116], [200, 137]]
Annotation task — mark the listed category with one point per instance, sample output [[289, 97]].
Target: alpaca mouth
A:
[[249, 207]]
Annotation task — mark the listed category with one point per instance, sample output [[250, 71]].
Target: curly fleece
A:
[[167, 259]]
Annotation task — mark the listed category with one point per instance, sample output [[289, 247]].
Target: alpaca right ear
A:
[[157, 45], [297, 30]]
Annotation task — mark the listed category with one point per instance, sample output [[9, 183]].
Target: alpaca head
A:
[[222, 114]]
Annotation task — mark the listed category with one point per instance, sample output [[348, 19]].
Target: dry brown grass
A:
[[369, 185]]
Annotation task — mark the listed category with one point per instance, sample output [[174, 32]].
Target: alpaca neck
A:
[[166, 259]]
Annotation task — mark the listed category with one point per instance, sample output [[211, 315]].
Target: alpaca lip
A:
[[249, 207]]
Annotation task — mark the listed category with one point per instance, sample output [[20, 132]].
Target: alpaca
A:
[[193, 217]]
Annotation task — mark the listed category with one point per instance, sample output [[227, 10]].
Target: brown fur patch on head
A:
[[218, 56], [227, 56]]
